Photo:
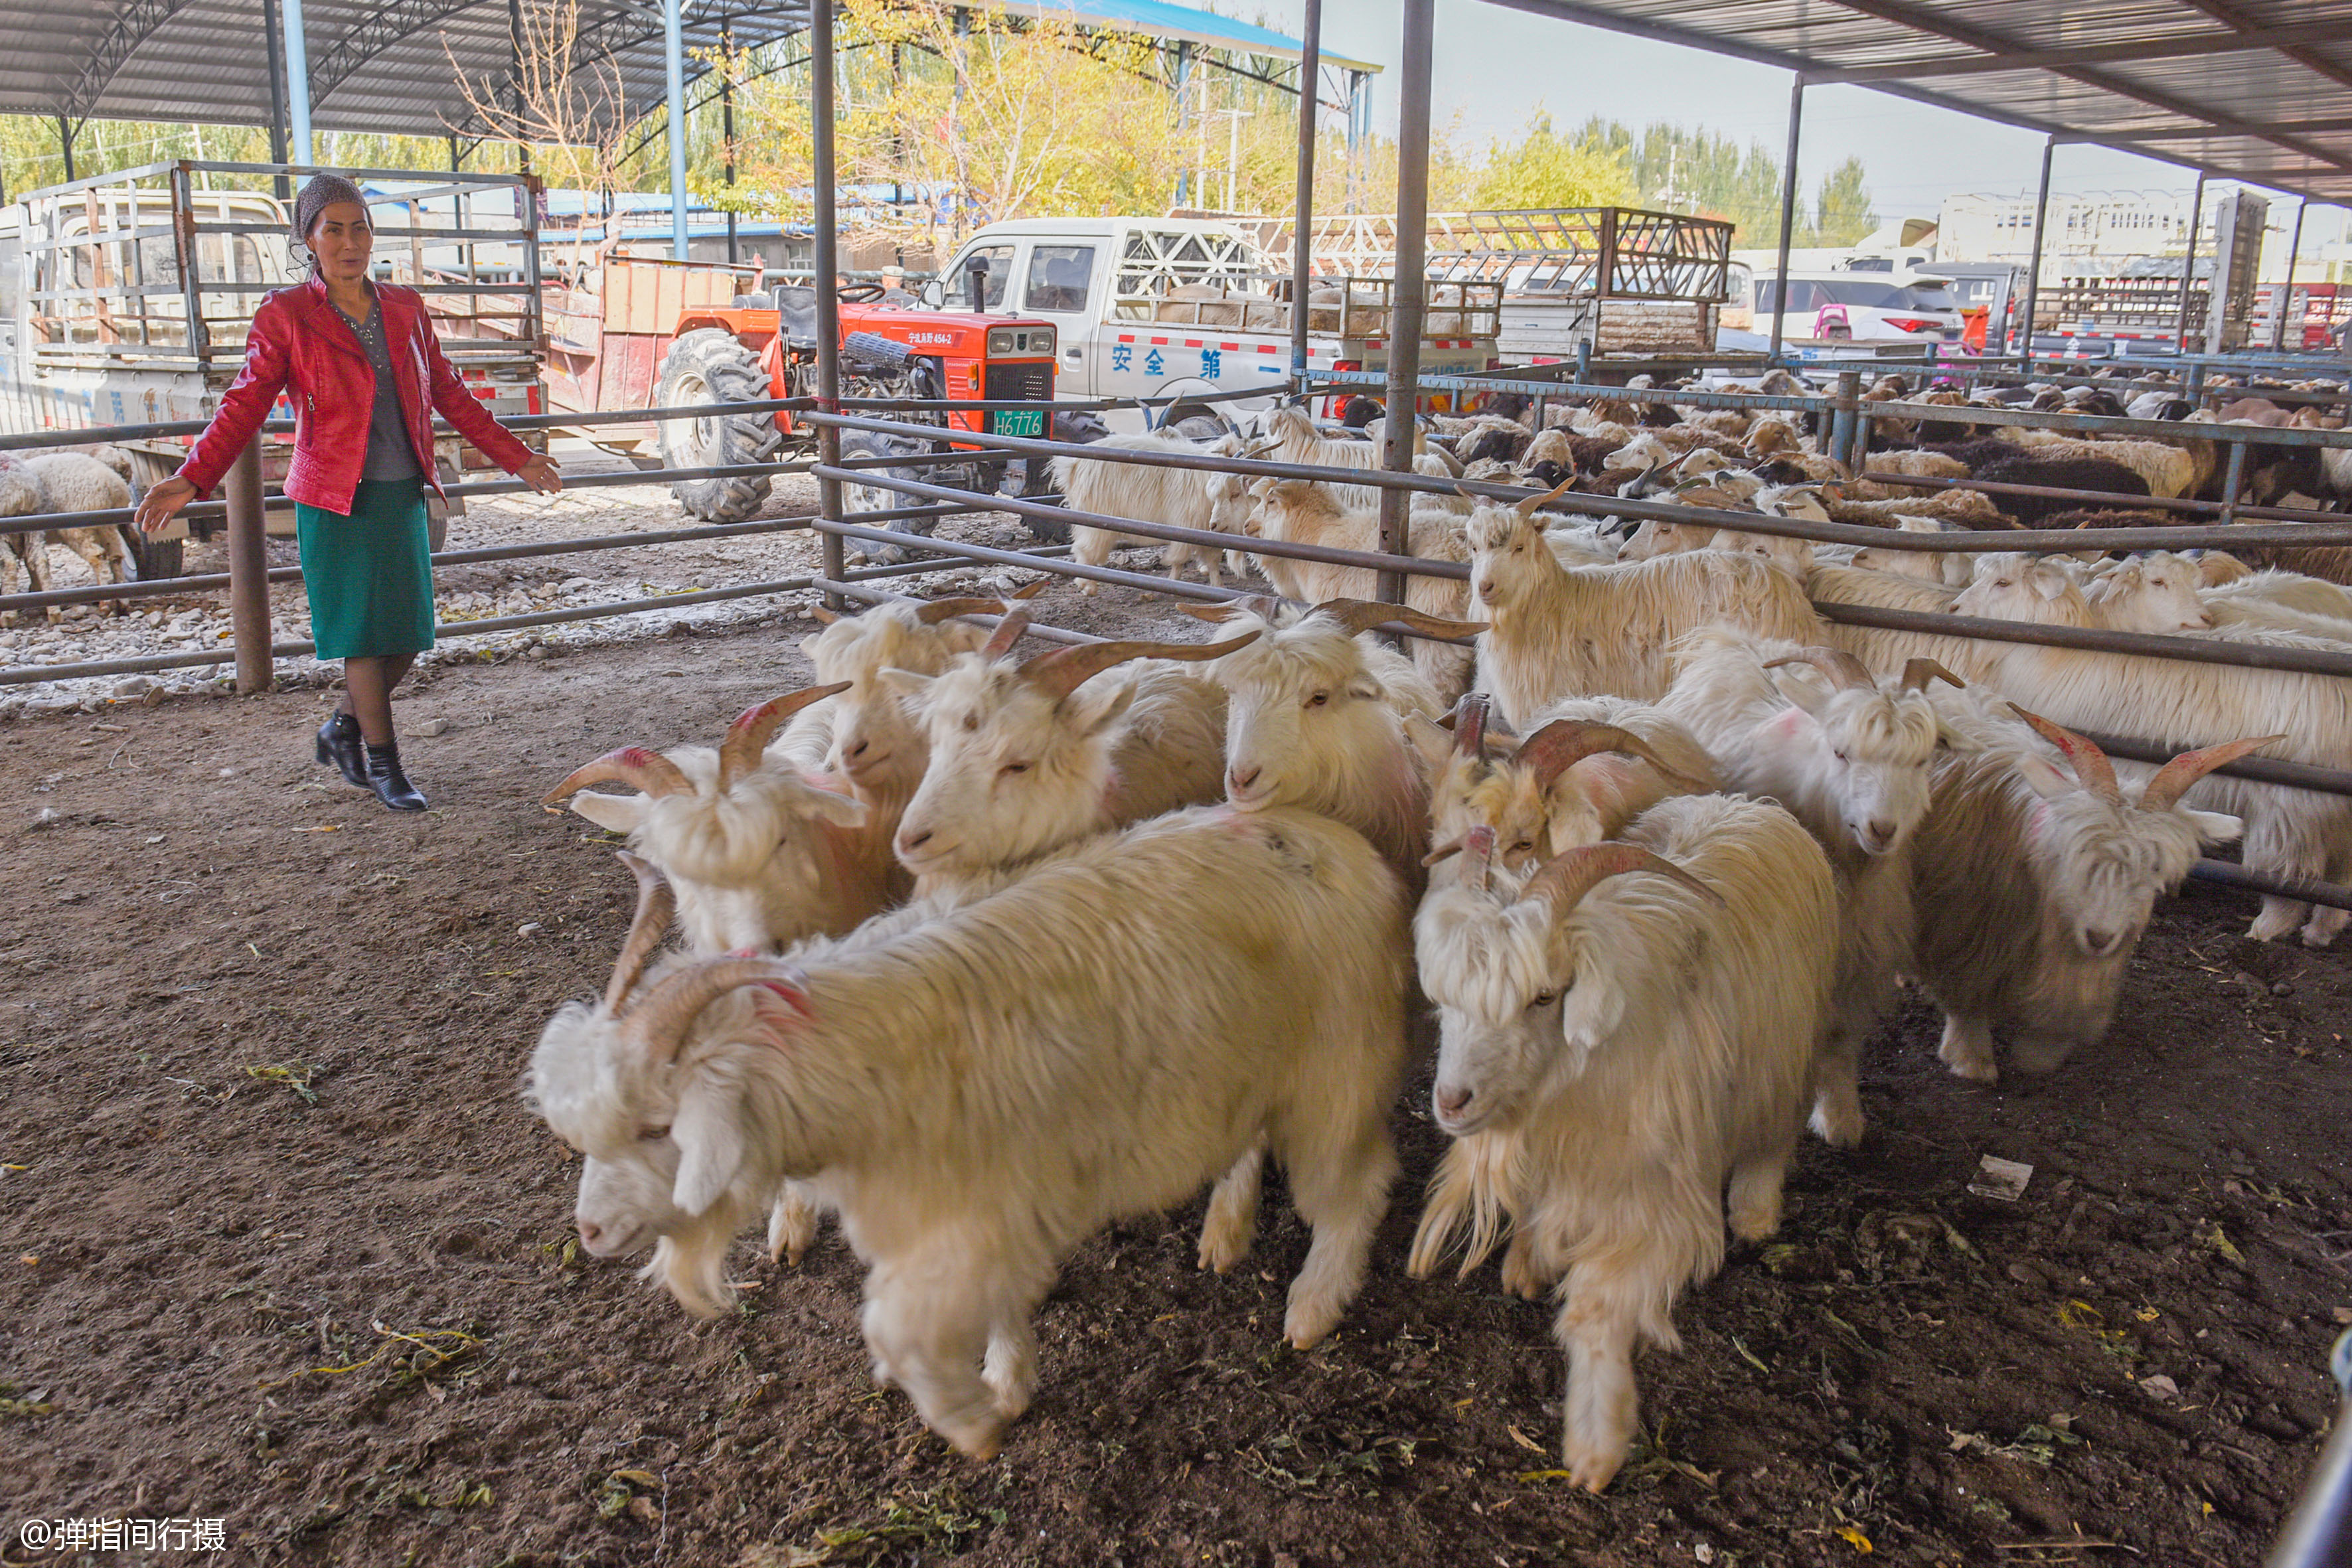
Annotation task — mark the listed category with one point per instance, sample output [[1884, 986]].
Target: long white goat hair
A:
[[1177, 497], [1297, 441], [2032, 891], [1298, 512], [1646, 1040], [2289, 832], [1028, 758], [1883, 651], [1557, 631], [1313, 721], [985, 1090], [1851, 758]]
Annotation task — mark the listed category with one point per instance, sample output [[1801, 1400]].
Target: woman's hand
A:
[[162, 501], [542, 475]]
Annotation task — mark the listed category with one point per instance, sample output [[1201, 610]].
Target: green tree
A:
[[1546, 169], [1842, 213]]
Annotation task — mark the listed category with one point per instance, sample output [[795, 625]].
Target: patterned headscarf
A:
[[321, 192]]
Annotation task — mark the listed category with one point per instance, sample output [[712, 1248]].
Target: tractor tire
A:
[[855, 497], [708, 365]]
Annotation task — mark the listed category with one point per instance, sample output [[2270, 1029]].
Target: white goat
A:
[[983, 1089], [1315, 720], [1295, 440], [1557, 631], [1646, 1037], [1852, 761], [2031, 890], [1027, 759], [1175, 498], [1881, 649], [2289, 832], [2161, 592]]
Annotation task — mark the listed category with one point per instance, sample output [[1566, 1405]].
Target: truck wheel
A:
[[708, 365]]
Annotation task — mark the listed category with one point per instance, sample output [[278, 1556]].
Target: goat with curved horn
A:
[[1065, 669], [934, 611], [1845, 671], [1564, 742], [1918, 673], [1533, 504], [656, 905], [2175, 778], [1567, 876], [648, 773], [1032, 590], [747, 738], [1008, 632], [657, 1024], [1360, 615], [2092, 769], [1470, 724]]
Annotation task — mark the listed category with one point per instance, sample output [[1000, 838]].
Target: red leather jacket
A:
[[301, 345]]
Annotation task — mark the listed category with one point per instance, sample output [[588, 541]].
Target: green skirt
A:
[[369, 575]]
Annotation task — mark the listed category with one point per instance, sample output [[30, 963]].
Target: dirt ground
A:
[[282, 1247]]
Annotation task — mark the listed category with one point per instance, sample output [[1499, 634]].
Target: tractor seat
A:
[[797, 304]]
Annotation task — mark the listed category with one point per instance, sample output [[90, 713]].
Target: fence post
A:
[[1842, 416], [2234, 482], [248, 572]]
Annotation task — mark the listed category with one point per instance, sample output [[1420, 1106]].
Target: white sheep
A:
[[984, 1089], [2031, 890], [1315, 720], [1642, 1016], [1851, 758], [67, 482], [1556, 631], [1027, 759], [1176, 498]]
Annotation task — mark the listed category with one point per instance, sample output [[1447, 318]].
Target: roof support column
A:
[[1184, 118], [2033, 267], [673, 57], [64, 145], [1787, 216], [828, 281], [1302, 222], [297, 83], [1359, 117], [2286, 289], [274, 49], [2189, 265], [727, 126], [1405, 285]]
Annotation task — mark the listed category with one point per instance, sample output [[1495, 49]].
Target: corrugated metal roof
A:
[[385, 66], [2258, 91]]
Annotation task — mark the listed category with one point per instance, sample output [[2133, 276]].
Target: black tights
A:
[[367, 693]]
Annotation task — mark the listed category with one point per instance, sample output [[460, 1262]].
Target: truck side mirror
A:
[[933, 297]]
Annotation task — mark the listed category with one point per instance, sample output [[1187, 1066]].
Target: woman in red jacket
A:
[[361, 366]]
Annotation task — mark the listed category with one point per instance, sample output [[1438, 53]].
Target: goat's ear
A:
[[1434, 744], [808, 647], [2047, 780], [1098, 704], [1808, 698], [2213, 827], [1365, 687], [903, 684], [840, 810], [613, 812], [2050, 582], [709, 1142]]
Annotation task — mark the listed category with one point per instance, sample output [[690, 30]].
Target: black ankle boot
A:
[[389, 784], [340, 743]]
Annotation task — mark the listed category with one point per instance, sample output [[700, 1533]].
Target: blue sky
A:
[[1495, 66]]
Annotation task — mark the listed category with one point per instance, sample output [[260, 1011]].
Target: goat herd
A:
[[978, 952]]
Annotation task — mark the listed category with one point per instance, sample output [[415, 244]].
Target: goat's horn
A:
[[2092, 769], [1845, 671], [1530, 507], [1564, 742], [1448, 850], [1478, 844], [657, 1024], [2173, 780], [1567, 876], [1065, 669], [1008, 631], [827, 617], [1362, 614], [748, 737], [1258, 604], [1032, 590], [1470, 724], [1918, 673], [657, 904], [934, 611], [648, 773]]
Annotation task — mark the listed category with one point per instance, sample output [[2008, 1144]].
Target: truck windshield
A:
[[998, 259], [1058, 275]]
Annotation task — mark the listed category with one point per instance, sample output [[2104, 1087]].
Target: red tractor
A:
[[716, 336]]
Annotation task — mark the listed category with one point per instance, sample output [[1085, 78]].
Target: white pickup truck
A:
[[1163, 308]]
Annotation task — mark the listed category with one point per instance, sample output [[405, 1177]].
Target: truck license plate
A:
[[1017, 422]]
